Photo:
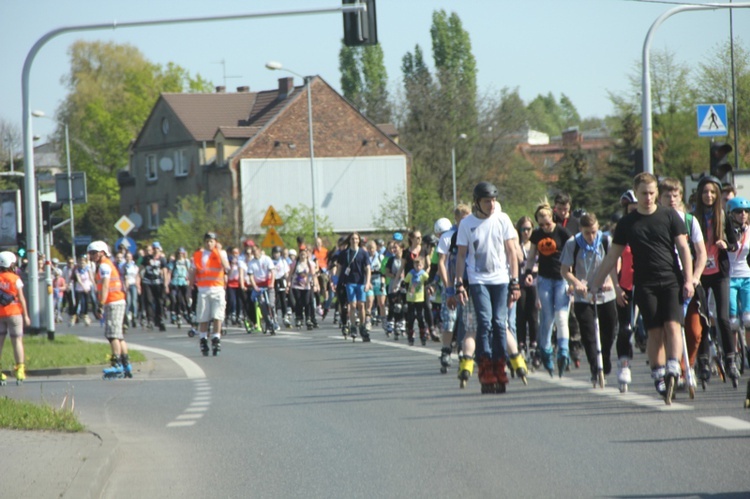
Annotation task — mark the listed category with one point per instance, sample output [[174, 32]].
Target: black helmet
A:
[[708, 179], [431, 240], [485, 190], [616, 217], [209, 235], [276, 249]]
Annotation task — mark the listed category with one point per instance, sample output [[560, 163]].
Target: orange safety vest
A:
[[8, 284], [115, 292], [212, 275]]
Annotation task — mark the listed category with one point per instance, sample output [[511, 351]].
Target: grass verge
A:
[[22, 415], [64, 351]]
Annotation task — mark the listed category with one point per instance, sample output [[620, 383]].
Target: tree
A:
[[364, 81], [298, 221], [192, 219], [548, 116]]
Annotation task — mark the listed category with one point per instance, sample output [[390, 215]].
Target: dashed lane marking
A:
[[726, 423]]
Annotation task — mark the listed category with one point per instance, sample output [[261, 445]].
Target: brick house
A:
[[251, 149]]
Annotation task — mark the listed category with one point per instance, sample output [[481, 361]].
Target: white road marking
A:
[[200, 403], [193, 415], [196, 409], [180, 423], [726, 423]]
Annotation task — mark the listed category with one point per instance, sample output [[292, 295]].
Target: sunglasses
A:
[[525, 229], [741, 211]]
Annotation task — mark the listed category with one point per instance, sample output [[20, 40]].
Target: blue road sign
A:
[[712, 120], [82, 240], [129, 244]]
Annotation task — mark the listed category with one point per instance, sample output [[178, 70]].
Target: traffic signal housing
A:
[[720, 165], [360, 28], [47, 209], [21, 243]]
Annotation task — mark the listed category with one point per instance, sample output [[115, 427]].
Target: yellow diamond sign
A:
[[124, 225]]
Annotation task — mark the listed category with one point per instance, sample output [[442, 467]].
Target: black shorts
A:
[[659, 304]]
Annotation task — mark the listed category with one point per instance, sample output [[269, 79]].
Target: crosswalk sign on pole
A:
[[271, 218], [712, 120]]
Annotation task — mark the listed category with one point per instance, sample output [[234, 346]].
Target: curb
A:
[[94, 474]]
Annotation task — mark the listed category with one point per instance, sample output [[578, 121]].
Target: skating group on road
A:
[[493, 292]]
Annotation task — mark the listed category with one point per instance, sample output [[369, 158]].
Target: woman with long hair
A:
[[527, 314], [720, 240]]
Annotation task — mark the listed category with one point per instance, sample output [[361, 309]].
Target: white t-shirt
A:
[[444, 243], [486, 261], [261, 269], [696, 234], [738, 260], [280, 269]]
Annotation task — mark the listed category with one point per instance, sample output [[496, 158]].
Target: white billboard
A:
[[349, 191]]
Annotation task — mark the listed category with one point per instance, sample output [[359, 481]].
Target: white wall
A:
[[349, 191]]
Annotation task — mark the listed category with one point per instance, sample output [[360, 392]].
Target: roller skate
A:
[[657, 374], [115, 371], [410, 337], [575, 353], [364, 333], [704, 370], [502, 376], [309, 325], [465, 368], [3, 379], [445, 359], [535, 357], [287, 322], [204, 347], [434, 336], [548, 362], [298, 324], [388, 329], [488, 376], [215, 345], [162, 327], [400, 330], [353, 331], [423, 336], [73, 320], [623, 374], [670, 379], [518, 366], [20, 373], [345, 330], [563, 361], [127, 368], [731, 369]]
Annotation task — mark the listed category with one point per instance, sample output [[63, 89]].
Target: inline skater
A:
[[353, 269], [132, 283], [281, 285], [547, 242], [394, 274], [487, 252], [376, 295], [653, 232], [527, 313], [208, 272], [739, 284], [155, 284], [261, 272], [416, 303], [178, 282], [303, 285], [720, 239], [111, 299], [13, 314]]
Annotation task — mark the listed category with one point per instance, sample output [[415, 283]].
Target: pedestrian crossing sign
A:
[[271, 218], [272, 239], [712, 120]]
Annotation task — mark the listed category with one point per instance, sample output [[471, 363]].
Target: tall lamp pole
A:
[[277, 66], [453, 164]]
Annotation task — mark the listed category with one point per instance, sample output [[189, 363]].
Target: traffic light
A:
[[720, 165], [21, 243], [360, 28], [47, 209]]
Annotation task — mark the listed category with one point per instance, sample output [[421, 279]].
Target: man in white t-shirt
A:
[[261, 273], [487, 243]]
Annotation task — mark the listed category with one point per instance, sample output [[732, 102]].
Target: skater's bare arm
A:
[[530, 259], [24, 310], [511, 248], [460, 267], [687, 265], [609, 262], [699, 264]]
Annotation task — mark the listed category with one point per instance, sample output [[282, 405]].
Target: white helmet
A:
[[98, 246], [7, 259], [442, 225]]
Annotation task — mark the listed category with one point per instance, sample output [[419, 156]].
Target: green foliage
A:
[[98, 219], [392, 213], [364, 81], [551, 117], [24, 415], [520, 188], [191, 220], [298, 221]]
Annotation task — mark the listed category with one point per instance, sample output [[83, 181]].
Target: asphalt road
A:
[[306, 414]]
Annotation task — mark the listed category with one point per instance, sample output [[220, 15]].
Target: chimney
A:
[[221, 89], [286, 85], [243, 89]]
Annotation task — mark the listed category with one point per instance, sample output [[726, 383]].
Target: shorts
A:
[[114, 313], [13, 325], [659, 304], [447, 318], [211, 304], [377, 288], [355, 292]]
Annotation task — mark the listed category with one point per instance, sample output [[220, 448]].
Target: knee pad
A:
[[746, 319], [561, 322], [734, 322]]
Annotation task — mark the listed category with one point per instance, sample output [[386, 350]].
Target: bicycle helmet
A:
[[397, 236], [276, 249], [738, 203], [442, 225], [209, 235], [485, 190], [628, 197], [97, 246], [7, 259], [430, 240], [708, 179]]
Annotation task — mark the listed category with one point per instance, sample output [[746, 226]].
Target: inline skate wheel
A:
[[623, 388]]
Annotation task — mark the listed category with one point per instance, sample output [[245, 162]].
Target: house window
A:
[[151, 167], [181, 166], [153, 216]]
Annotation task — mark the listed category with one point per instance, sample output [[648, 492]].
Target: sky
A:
[[581, 48]]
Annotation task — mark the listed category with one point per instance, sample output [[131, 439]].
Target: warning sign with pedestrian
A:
[[271, 218], [272, 239], [712, 120]]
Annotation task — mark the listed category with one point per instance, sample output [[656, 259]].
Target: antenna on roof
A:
[[223, 63]]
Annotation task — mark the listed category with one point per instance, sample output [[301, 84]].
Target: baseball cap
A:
[[156, 245], [249, 243]]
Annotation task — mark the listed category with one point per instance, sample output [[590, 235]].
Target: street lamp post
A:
[[277, 66], [453, 164]]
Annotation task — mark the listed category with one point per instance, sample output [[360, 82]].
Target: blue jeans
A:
[[491, 309], [555, 301], [131, 297]]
